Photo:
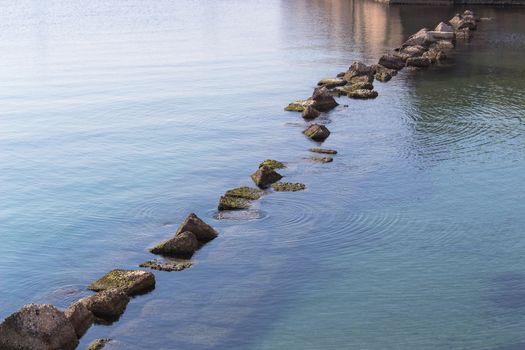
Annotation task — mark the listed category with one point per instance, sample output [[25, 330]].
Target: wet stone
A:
[[317, 132], [323, 150], [202, 231], [272, 163], [181, 245], [107, 306], [288, 186], [245, 192], [168, 266], [310, 113], [132, 282], [233, 203], [98, 344], [322, 159], [265, 176]]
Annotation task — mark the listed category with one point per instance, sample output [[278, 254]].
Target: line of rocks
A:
[[43, 326]]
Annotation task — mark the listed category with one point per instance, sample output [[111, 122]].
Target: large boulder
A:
[[80, 317], [444, 27], [108, 305], [132, 282], [392, 61], [265, 176], [443, 31], [418, 62], [182, 245], [317, 132], [232, 203], [323, 100], [422, 38], [359, 72], [383, 73], [199, 228], [37, 327], [310, 113]]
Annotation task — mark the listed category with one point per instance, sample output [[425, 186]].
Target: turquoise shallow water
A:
[[118, 119]]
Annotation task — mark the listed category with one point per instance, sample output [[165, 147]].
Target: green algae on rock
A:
[[132, 282], [245, 192], [288, 186], [299, 106], [362, 94], [323, 150], [350, 88], [272, 163], [98, 344], [233, 203], [322, 159], [331, 82], [168, 266], [181, 245], [265, 176]]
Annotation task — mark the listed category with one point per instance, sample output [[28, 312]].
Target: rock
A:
[[348, 89], [310, 113], [272, 163], [331, 82], [323, 150], [98, 344], [322, 159], [166, 266], [359, 73], [443, 35], [443, 45], [362, 94], [107, 305], [392, 61], [418, 62], [131, 282], [232, 203], [288, 186], [382, 73], [423, 38], [299, 106], [359, 68], [199, 228], [317, 132], [265, 176], [468, 13], [37, 327], [458, 22], [323, 101], [362, 79], [182, 245], [463, 33], [341, 74], [80, 317], [443, 27], [245, 192], [413, 51]]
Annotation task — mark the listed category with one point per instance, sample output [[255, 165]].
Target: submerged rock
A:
[[131, 282], [233, 203], [317, 132], [272, 163], [168, 266], [37, 327], [107, 305], [331, 82], [98, 344], [288, 186], [199, 228], [299, 106], [310, 113], [362, 94], [265, 176], [245, 192], [323, 150], [181, 245], [418, 62], [322, 159], [323, 101], [392, 61], [80, 317]]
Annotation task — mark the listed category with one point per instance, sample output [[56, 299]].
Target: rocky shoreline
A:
[[43, 326]]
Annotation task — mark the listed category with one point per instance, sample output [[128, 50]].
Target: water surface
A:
[[117, 119]]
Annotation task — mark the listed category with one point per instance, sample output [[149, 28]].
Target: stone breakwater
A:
[[43, 326]]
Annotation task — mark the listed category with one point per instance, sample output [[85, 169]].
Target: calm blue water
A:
[[117, 119]]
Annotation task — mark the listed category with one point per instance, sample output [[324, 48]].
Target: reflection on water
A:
[[117, 119]]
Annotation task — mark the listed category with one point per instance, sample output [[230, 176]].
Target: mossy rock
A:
[[132, 282], [265, 176], [323, 150], [363, 94], [233, 203], [245, 192], [322, 159], [288, 186], [317, 132], [168, 266], [331, 82], [351, 88], [98, 344], [383, 76], [182, 245], [274, 164], [299, 106]]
